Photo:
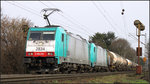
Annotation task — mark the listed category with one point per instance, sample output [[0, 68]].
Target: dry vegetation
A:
[[12, 44], [123, 48]]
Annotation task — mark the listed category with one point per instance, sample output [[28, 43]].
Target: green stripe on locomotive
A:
[[60, 51]]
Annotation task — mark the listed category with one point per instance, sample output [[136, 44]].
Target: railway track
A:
[[29, 77]]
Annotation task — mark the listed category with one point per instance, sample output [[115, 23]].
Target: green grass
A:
[[121, 78], [140, 81], [130, 78], [107, 79]]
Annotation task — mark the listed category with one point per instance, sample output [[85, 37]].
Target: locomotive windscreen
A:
[[42, 35]]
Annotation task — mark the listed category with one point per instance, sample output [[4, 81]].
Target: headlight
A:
[[28, 53], [48, 53], [51, 53]]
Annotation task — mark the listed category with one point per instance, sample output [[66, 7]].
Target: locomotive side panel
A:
[[92, 53], [77, 51], [101, 59]]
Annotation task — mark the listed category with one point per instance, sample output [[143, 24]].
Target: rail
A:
[[30, 77]]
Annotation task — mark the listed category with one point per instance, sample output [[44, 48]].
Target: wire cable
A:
[[136, 39], [104, 16], [76, 21], [69, 20], [24, 9], [83, 26], [123, 19]]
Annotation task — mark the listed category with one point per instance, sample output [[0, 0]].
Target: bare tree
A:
[[12, 44], [123, 48]]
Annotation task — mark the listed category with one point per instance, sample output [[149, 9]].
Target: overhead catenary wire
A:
[[104, 16], [36, 13], [112, 20], [66, 18], [123, 18], [25, 6], [75, 23], [28, 8], [107, 13], [43, 3], [84, 26], [69, 20], [125, 24], [78, 23], [24, 9], [72, 18], [137, 39]]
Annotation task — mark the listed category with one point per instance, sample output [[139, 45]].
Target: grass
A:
[[130, 78], [120, 78], [140, 81]]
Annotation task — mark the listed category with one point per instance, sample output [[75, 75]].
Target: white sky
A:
[[83, 18]]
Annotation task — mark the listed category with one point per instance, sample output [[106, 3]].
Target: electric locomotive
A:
[[51, 49]]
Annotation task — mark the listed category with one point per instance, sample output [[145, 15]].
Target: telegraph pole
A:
[[140, 28]]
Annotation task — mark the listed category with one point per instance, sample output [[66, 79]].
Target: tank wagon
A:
[[53, 50], [116, 62]]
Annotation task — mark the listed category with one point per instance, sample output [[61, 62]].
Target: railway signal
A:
[[140, 28], [122, 12]]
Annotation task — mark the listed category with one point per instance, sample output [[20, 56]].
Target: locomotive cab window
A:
[[48, 36], [37, 35], [94, 49], [62, 37]]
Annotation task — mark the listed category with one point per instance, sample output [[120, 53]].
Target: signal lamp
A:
[[31, 53]]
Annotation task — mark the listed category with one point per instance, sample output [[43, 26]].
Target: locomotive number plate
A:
[[40, 48]]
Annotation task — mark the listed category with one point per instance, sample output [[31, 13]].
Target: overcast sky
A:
[[86, 17]]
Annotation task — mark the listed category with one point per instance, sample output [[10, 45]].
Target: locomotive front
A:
[[40, 49]]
